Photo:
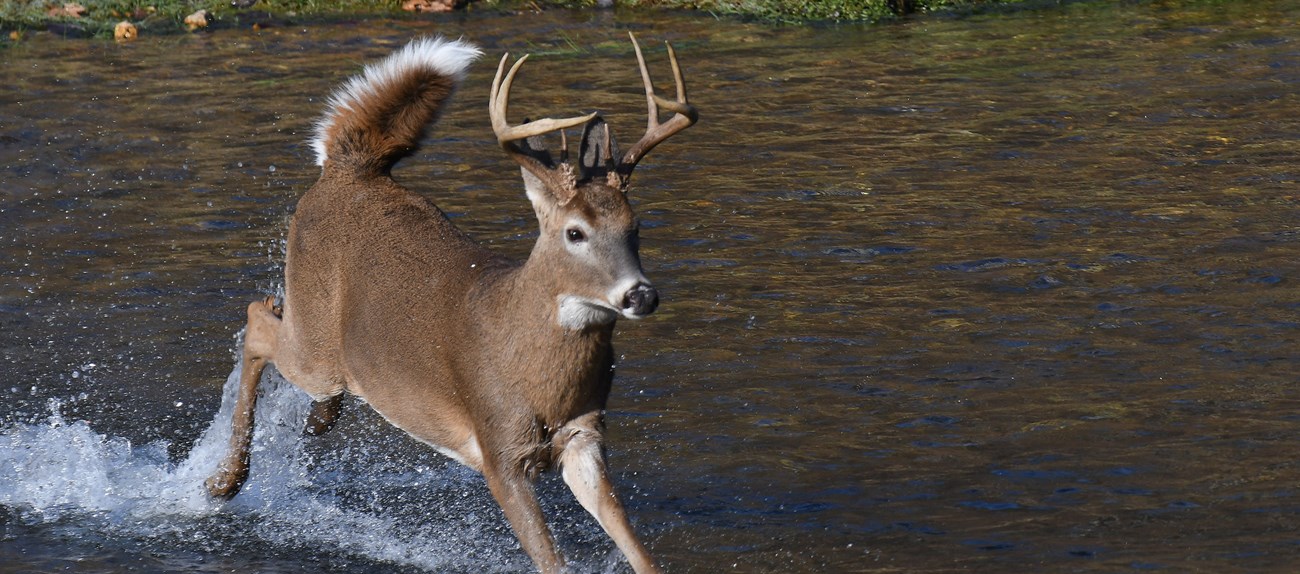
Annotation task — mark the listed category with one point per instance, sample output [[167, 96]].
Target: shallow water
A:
[[991, 293]]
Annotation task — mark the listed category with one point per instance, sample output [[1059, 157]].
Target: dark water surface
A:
[[1000, 293]]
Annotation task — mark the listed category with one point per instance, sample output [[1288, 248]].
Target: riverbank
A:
[[86, 18]]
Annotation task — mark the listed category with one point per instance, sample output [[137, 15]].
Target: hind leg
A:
[[323, 415], [260, 338]]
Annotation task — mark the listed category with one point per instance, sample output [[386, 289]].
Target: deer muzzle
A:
[[640, 301]]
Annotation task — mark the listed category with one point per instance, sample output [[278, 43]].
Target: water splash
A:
[[57, 468], [62, 472]]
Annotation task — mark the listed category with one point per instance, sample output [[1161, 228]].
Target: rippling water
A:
[[992, 293]]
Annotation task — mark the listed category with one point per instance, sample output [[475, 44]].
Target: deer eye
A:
[[575, 235]]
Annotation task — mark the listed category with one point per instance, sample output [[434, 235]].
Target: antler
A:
[[499, 104], [560, 178], [684, 114]]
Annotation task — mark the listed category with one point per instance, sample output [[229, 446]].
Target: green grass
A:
[[166, 16], [801, 11]]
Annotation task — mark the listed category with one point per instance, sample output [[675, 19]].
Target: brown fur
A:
[[384, 129], [456, 345]]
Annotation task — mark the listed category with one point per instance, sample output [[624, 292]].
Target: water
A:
[[991, 293]]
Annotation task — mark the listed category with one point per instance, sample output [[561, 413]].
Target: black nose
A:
[[641, 300]]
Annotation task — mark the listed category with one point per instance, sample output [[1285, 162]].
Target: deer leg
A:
[[323, 415], [514, 492], [582, 464], [259, 345]]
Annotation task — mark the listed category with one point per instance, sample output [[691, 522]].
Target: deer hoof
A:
[[222, 486]]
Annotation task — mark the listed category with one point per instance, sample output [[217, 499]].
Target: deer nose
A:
[[640, 300]]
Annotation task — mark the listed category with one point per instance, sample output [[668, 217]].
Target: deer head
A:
[[588, 234]]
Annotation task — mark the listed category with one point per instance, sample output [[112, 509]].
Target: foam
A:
[[64, 472]]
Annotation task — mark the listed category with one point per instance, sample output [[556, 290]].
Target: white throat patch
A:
[[579, 312]]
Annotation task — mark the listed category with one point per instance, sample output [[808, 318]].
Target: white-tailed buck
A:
[[502, 365]]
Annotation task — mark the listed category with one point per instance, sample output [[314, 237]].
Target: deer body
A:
[[504, 366]]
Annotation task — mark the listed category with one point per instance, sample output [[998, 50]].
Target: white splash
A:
[[62, 467], [62, 471]]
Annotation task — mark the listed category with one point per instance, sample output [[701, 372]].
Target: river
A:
[[1012, 291]]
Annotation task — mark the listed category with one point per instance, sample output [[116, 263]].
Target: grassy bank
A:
[[98, 17], [800, 11]]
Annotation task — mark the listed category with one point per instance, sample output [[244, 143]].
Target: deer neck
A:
[[540, 287], [561, 372]]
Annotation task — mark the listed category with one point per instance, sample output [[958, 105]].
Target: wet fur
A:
[[463, 349]]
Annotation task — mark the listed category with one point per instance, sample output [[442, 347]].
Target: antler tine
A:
[[499, 105], [651, 100], [677, 74], [684, 114]]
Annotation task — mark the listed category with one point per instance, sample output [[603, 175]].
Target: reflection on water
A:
[[955, 294]]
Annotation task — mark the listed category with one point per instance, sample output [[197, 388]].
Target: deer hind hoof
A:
[[222, 486]]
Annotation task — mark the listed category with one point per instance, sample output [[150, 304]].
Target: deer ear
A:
[[534, 186], [597, 150], [535, 148], [539, 193]]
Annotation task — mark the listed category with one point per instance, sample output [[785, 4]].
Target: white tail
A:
[[504, 366]]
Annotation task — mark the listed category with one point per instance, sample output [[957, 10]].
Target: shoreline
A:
[[94, 18]]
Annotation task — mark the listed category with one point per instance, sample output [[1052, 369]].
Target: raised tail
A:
[[380, 116]]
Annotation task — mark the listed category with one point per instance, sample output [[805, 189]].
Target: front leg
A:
[[582, 463], [514, 493]]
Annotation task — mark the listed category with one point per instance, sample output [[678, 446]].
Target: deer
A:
[[504, 366]]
